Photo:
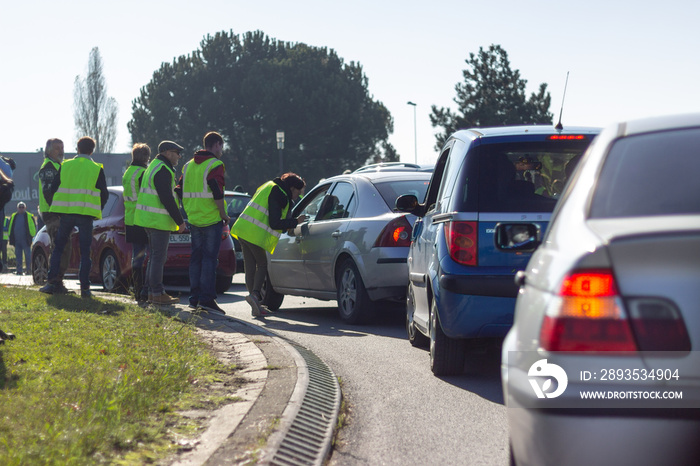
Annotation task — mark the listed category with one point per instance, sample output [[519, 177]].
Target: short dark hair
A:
[[293, 180], [211, 138], [86, 145]]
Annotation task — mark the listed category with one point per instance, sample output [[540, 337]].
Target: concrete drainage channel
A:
[[308, 439]]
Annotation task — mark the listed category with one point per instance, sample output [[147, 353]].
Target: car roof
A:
[[395, 166], [235, 193], [378, 176], [523, 130], [660, 123]]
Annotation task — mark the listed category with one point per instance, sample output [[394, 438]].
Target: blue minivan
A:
[[490, 199]]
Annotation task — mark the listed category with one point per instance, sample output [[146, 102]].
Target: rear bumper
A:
[[501, 286]]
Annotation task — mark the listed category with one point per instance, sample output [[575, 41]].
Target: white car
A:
[[601, 365]]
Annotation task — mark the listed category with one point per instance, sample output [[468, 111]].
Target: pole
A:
[[415, 132]]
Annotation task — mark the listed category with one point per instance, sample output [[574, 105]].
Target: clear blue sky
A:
[[626, 59]]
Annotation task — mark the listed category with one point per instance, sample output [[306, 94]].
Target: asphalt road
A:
[[399, 413]]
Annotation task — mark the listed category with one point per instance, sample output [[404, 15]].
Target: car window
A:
[[336, 204], [651, 174], [523, 176], [390, 190], [311, 203], [236, 205], [435, 182], [109, 206]]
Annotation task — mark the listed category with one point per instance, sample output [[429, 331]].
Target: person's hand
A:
[[181, 227], [226, 219], [302, 218]]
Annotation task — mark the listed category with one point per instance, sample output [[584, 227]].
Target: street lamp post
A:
[[280, 147], [415, 135]]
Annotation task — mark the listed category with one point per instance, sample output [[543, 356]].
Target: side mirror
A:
[[517, 237], [407, 203]]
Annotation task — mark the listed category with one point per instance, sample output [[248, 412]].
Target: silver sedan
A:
[[601, 365], [354, 247]]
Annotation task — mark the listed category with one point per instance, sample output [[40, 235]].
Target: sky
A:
[[625, 59]]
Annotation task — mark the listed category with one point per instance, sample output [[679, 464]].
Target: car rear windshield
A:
[[390, 190], [522, 176], [650, 174]]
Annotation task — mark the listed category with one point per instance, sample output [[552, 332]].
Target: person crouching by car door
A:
[[258, 229]]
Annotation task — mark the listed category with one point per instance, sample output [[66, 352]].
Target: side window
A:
[[337, 203], [431, 197], [311, 203], [111, 202], [452, 171]]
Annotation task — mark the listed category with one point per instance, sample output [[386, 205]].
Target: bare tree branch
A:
[[95, 113]]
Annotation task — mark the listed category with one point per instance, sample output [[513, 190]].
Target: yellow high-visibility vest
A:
[[253, 225]]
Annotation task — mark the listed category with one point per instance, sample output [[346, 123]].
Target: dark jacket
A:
[[163, 184], [278, 199]]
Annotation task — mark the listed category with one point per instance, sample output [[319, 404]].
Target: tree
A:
[[95, 113], [491, 95], [248, 87]]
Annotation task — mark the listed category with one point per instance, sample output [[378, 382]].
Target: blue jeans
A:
[[206, 242], [158, 241], [65, 228], [23, 250]]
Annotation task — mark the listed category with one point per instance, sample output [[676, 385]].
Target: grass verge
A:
[[93, 381]]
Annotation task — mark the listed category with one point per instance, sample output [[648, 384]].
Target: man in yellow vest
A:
[[158, 212], [22, 231], [48, 172], [258, 229], [79, 194], [202, 190], [136, 235]]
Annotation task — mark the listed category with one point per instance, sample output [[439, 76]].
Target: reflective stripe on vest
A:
[[150, 211], [77, 193], [253, 225], [43, 205], [197, 198], [130, 182]]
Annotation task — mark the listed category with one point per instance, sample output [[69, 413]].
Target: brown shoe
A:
[[163, 299]]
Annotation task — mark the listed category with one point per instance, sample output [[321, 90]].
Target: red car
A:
[[111, 254]]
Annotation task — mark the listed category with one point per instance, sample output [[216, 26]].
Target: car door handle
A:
[[520, 278], [336, 234]]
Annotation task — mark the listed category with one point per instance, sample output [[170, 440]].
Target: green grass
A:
[[93, 381]]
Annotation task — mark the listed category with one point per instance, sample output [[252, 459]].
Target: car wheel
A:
[[40, 267], [110, 272], [447, 354], [223, 283], [415, 337], [270, 298], [354, 304]]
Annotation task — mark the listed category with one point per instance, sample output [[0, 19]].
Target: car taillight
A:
[[461, 241], [567, 137], [225, 232], [589, 316], [397, 233]]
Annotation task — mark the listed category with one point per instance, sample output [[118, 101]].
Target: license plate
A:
[[181, 238]]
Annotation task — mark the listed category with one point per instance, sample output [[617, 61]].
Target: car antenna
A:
[[559, 126]]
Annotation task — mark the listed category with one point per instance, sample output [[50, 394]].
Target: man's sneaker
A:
[[86, 294], [193, 305], [60, 289], [163, 299], [49, 288], [257, 307], [211, 306]]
